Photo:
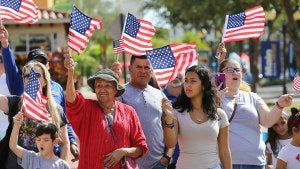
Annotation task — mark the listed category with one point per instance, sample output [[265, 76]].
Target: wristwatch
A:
[[167, 157]]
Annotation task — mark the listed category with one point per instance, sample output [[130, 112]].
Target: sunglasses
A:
[[26, 76], [231, 70]]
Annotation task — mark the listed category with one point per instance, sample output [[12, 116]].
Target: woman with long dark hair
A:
[[199, 125]]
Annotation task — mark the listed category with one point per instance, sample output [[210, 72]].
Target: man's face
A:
[[178, 81], [140, 72]]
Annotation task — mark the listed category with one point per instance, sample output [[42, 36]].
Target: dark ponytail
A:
[[294, 120]]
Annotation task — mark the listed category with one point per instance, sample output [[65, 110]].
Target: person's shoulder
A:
[[221, 113], [56, 85], [30, 153], [246, 93], [285, 150], [124, 106], [63, 164]]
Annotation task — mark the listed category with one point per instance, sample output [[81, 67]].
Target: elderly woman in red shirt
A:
[[108, 130]]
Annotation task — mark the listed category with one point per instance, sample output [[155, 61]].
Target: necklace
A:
[[196, 118], [199, 120], [108, 110]]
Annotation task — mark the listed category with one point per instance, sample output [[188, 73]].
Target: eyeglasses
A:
[[231, 70], [26, 76]]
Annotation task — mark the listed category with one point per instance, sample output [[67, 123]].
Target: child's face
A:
[[280, 127], [45, 144]]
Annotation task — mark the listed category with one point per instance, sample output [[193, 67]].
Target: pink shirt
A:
[[88, 122]]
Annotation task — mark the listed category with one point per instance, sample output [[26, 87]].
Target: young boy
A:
[[46, 139]]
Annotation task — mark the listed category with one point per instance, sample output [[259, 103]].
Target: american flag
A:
[[118, 46], [21, 11], [244, 25], [170, 60], [34, 102], [81, 29], [297, 83], [137, 35]]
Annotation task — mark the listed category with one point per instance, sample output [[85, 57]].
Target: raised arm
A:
[[14, 78], [70, 87], [170, 125], [13, 142], [222, 52], [269, 117], [116, 67], [65, 146]]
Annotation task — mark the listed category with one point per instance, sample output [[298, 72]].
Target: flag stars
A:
[[161, 58], [79, 21], [13, 4], [132, 26], [32, 85], [236, 20]]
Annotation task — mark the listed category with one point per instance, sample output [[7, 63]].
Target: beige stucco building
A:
[[49, 33]]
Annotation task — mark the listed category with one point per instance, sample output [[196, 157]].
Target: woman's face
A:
[[39, 72], [105, 91], [233, 74], [280, 127], [192, 85]]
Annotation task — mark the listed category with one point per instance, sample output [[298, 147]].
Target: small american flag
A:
[[244, 25], [297, 83], [170, 60], [34, 102], [118, 46], [137, 35], [81, 29], [21, 11]]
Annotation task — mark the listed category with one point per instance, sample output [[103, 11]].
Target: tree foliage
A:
[[207, 14]]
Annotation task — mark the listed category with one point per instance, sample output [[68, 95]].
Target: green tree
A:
[[103, 10], [210, 13]]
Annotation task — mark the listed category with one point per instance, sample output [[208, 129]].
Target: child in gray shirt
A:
[[46, 139]]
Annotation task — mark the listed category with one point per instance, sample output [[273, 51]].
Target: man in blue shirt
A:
[[146, 100], [15, 82]]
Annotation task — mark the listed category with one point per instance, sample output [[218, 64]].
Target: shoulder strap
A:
[[123, 159], [233, 112]]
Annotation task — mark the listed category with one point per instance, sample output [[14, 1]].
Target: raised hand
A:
[[3, 37], [166, 106], [221, 52], [68, 62]]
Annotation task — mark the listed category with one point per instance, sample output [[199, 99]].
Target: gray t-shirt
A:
[[33, 160], [147, 104], [245, 139], [198, 143]]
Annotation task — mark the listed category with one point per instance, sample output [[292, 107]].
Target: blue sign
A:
[[292, 65], [270, 59]]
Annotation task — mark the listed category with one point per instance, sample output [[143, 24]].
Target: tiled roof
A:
[[47, 16]]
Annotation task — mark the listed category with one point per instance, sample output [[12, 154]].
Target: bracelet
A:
[[277, 105], [74, 143], [167, 157], [169, 125]]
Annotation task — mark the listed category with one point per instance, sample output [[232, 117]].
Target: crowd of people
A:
[[189, 123]]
